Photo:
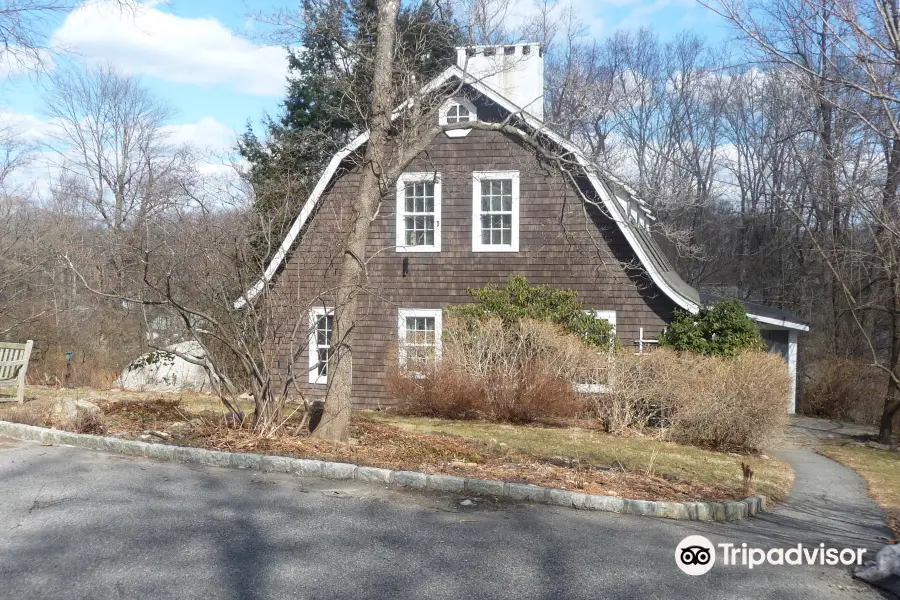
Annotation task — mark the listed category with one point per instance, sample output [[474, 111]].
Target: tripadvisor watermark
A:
[[696, 555]]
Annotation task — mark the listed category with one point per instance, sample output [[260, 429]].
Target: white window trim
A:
[[400, 237], [402, 314], [598, 388], [442, 115], [477, 178], [312, 348]]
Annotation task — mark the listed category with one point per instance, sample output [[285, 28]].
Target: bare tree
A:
[[847, 56], [110, 139]]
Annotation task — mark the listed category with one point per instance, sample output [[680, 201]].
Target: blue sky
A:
[[207, 61]]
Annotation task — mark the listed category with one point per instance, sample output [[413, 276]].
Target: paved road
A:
[[79, 524]]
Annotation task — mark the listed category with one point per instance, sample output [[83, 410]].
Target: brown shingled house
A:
[[475, 208]]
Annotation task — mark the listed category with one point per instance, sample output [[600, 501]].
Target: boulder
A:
[[66, 410], [164, 371], [884, 571], [179, 429]]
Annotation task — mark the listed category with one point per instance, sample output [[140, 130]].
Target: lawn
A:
[[641, 455], [562, 457], [880, 469]]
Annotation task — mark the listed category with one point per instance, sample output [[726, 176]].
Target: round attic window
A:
[[457, 110]]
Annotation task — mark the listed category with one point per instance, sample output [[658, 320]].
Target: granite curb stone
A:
[[687, 511]]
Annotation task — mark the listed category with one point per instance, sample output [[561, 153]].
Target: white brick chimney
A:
[[514, 70]]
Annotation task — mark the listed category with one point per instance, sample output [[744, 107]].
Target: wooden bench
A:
[[13, 366]]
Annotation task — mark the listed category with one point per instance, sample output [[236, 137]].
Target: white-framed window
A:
[[419, 212], [321, 324], [609, 315], [457, 110], [419, 334], [597, 381], [495, 211]]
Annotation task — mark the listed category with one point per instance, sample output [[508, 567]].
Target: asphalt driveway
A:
[[81, 524]]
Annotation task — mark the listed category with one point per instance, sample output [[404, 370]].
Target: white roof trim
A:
[[300, 221], [779, 322], [591, 170]]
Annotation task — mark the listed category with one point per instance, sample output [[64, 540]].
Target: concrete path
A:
[[827, 504], [80, 524], [809, 432]]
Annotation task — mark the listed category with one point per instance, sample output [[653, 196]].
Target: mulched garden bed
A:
[[380, 445]]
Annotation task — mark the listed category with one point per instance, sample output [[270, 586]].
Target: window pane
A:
[[420, 340], [322, 366], [323, 330]]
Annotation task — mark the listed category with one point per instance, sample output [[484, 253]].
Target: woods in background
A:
[[772, 165]]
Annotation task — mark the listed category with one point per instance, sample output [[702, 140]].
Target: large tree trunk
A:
[[892, 398], [888, 215], [335, 423]]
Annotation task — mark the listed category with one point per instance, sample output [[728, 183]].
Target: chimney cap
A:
[[498, 46]]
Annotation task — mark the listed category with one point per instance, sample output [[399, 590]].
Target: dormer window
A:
[[457, 113], [457, 110]]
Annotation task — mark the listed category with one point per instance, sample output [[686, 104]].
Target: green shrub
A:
[[719, 329], [519, 300]]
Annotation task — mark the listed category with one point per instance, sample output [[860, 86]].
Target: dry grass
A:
[[193, 402], [667, 461], [880, 469], [571, 458]]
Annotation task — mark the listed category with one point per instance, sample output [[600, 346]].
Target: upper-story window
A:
[[419, 212], [457, 110], [495, 211]]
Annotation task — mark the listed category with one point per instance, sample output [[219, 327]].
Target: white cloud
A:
[[213, 140], [207, 133], [29, 127], [16, 61], [161, 44]]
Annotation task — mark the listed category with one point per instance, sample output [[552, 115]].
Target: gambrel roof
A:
[[630, 213]]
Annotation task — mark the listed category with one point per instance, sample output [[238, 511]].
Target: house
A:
[[473, 209]]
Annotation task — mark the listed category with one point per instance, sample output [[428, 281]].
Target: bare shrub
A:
[[731, 403], [442, 391], [29, 413], [87, 422], [844, 389], [722, 403], [538, 395], [514, 373]]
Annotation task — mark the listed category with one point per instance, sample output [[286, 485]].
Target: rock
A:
[[179, 429], [163, 371], [66, 409], [466, 503], [878, 446], [884, 571]]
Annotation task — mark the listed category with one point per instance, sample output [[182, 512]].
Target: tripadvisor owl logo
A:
[[695, 555]]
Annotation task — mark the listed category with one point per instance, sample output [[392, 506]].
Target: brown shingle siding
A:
[[556, 246]]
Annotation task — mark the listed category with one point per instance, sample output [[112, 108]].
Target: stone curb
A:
[[686, 511]]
